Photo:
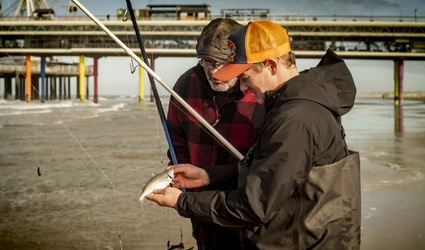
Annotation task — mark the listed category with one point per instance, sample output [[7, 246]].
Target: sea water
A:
[[71, 174]]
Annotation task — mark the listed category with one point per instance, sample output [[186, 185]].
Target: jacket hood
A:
[[329, 84]]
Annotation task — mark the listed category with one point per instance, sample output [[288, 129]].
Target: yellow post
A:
[[141, 83], [28, 78], [82, 86]]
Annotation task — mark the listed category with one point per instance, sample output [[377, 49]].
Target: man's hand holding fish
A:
[[189, 176], [185, 176], [165, 197]]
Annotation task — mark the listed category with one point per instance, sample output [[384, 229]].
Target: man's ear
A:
[[272, 64]]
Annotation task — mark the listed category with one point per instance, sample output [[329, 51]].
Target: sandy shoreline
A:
[[393, 215]]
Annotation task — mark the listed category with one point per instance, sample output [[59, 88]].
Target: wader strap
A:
[[338, 119]]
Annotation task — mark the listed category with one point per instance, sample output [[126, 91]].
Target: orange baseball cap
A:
[[253, 43]]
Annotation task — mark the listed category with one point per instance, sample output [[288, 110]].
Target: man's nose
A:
[[243, 86], [213, 70]]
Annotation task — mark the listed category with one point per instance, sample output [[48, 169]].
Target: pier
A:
[[49, 79], [35, 39]]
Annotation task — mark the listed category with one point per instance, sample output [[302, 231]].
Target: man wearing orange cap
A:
[[299, 185]]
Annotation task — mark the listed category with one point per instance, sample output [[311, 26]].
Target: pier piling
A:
[[398, 81]]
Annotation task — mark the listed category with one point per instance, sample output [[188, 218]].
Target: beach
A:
[[392, 172], [72, 174]]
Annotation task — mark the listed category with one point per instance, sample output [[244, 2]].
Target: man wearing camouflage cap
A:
[[234, 114]]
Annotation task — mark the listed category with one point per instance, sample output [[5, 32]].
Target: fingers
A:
[[165, 197], [150, 197], [156, 196], [159, 191], [180, 167], [176, 184]]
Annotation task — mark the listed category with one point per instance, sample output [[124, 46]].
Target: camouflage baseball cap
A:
[[212, 42]]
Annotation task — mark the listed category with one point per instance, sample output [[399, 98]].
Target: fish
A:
[[159, 181]]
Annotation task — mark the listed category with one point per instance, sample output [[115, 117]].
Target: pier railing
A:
[[271, 17], [69, 70], [80, 36]]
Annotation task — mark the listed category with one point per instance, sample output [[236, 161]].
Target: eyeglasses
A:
[[209, 64]]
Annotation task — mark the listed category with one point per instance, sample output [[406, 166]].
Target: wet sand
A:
[[392, 172], [393, 215], [93, 168]]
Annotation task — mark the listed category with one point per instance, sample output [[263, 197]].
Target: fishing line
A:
[[36, 142], [159, 141], [132, 67], [62, 122], [34, 115]]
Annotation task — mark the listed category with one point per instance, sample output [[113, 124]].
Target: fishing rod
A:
[[130, 53], [153, 86]]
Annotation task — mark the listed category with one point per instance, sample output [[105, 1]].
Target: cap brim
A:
[[230, 71]]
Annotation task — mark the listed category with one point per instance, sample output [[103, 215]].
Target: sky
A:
[[115, 76], [309, 7]]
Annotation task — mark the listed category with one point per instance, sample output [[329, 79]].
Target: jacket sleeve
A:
[[223, 177], [279, 166]]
